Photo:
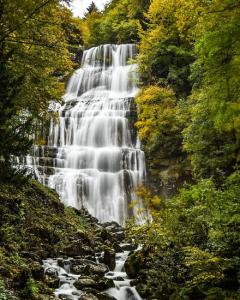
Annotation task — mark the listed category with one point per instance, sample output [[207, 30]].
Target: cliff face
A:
[[167, 174]]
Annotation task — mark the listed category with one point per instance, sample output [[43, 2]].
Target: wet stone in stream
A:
[[83, 279], [94, 277]]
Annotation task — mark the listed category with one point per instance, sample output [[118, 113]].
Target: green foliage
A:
[[36, 47], [165, 55], [32, 288], [5, 294], [212, 138], [118, 23], [158, 126], [192, 243]]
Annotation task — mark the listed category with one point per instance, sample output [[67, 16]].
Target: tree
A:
[[91, 9], [34, 60], [157, 123], [212, 138], [118, 23], [164, 54]]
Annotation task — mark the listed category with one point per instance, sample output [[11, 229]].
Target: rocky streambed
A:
[[93, 276]]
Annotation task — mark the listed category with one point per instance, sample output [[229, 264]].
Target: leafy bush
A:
[[192, 244]]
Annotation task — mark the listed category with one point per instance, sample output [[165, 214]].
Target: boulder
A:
[[88, 297], [37, 270], [117, 247], [132, 265], [51, 278], [85, 266], [76, 248], [118, 278], [85, 282], [119, 235], [109, 258], [105, 235], [105, 296], [128, 247], [106, 283], [96, 283], [111, 224]]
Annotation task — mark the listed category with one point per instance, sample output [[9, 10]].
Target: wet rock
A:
[[117, 247], [52, 272], [37, 270], [105, 296], [78, 269], [120, 235], [132, 265], [51, 278], [128, 247], [106, 283], [76, 248], [134, 282], [85, 266], [105, 235], [108, 224], [129, 293], [88, 297], [76, 293], [118, 278], [66, 297], [113, 228], [96, 283], [90, 257], [109, 258], [85, 281], [63, 262], [88, 290], [98, 268]]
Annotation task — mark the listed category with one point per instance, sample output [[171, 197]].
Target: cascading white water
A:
[[99, 161]]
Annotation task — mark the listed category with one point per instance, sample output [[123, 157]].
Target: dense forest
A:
[[188, 123]]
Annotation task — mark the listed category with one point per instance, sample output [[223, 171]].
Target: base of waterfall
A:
[[98, 276]]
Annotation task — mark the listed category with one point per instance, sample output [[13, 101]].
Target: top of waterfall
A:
[[106, 71], [109, 55]]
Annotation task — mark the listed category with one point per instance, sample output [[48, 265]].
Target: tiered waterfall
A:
[[96, 158]]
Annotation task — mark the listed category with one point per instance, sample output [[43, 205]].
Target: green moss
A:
[[34, 225], [5, 294]]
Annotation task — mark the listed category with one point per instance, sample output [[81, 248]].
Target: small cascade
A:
[[93, 158], [67, 281], [122, 290], [64, 278]]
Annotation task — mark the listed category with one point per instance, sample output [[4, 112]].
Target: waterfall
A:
[[97, 160]]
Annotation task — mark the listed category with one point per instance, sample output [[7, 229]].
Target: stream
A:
[[61, 269]]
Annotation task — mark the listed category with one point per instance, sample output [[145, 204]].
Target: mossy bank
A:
[[35, 225]]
